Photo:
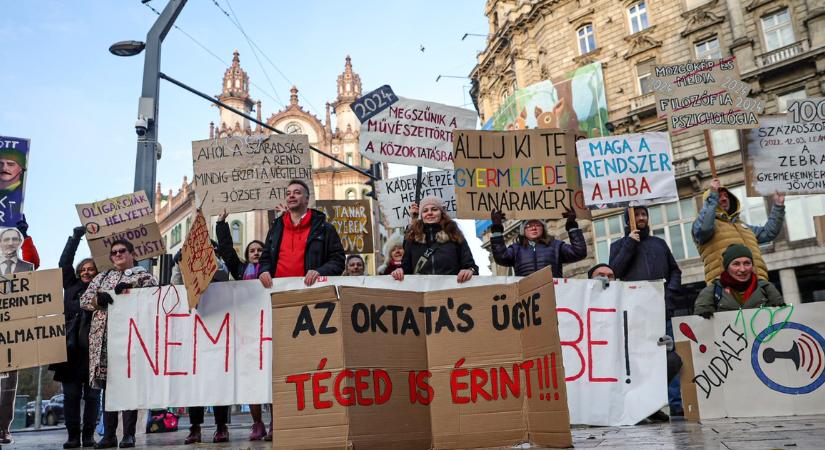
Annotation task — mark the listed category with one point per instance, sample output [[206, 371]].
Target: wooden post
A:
[[709, 146], [631, 217]]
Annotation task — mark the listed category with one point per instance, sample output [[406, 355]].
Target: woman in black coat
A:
[[74, 373]]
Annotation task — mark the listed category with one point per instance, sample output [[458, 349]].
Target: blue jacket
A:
[[533, 256]]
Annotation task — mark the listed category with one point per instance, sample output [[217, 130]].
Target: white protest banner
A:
[[245, 173], [395, 195], [785, 157], [806, 110], [627, 170], [414, 132], [160, 354], [598, 360], [704, 95], [761, 362]]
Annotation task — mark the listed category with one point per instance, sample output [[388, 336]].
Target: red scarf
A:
[[745, 288]]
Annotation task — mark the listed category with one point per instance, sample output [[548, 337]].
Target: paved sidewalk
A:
[[798, 433]]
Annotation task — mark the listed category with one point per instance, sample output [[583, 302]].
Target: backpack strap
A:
[[424, 258]]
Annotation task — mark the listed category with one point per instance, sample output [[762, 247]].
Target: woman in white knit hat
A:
[[434, 245], [393, 254]]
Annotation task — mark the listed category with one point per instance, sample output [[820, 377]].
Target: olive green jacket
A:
[[765, 294]]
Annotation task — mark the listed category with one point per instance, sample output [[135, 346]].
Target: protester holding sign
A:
[[301, 243], [737, 287], [97, 298], [535, 248], [434, 245], [393, 254], [74, 373], [717, 226]]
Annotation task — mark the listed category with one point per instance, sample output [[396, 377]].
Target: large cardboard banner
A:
[[198, 261], [785, 157], [245, 173], [415, 133], [704, 95], [761, 362], [462, 368], [14, 157], [32, 326], [627, 170], [395, 195], [352, 220], [529, 174]]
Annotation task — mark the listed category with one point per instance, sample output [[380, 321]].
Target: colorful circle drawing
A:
[[806, 354]]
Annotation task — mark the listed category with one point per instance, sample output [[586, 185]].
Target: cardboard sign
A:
[[785, 157], [444, 369], [115, 215], [528, 174], [14, 153], [761, 362], [806, 110], [32, 326], [352, 220], [245, 173], [198, 261], [373, 103], [395, 195], [161, 353], [146, 238], [704, 95], [627, 170], [415, 133]]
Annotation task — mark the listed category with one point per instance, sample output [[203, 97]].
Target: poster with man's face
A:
[[14, 154]]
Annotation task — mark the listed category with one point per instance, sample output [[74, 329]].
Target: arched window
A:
[[350, 195], [237, 233], [587, 39]]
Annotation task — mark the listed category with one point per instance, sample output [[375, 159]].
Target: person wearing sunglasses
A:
[[98, 296]]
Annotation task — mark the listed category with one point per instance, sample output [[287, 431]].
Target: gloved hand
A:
[[667, 341], [706, 315], [104, 299], [498, 218], [570, 215], [78, 232], [23, 226], [122, 287]]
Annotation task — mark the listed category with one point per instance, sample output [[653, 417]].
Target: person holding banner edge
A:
[[717, 226], [97, 298], [535, 248], [434, 245]]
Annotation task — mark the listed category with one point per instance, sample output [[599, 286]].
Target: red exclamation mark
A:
[[541, 379], [688, 332], [555, 375]]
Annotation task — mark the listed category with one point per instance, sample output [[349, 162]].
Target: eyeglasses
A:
[[534, 225], [118, 251]]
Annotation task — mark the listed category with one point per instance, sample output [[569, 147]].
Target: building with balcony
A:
[[780, 49]]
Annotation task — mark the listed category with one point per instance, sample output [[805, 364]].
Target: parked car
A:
[[30, 412], [53, 413]]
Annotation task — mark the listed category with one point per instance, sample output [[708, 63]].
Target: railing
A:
[[642, 101], [782, 54]]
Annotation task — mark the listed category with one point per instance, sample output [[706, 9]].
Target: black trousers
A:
[[110, 421], [73, 392], [221, 415]]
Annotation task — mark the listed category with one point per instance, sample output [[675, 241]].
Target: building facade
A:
[[780, 49], [331, 180]]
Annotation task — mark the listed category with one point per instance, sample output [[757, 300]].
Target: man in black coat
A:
[[301, 242]]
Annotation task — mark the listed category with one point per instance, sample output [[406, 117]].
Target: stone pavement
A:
[[799, 433]]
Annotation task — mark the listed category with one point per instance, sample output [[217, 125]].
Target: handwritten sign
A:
[[529, 174], [373, 103], [243, 173], [146, 238], [761, 362], [115, 215], [627, 170], [14, 153], [198, 261], [352, 220], [704, 95], [395, 195], [414, 132], [32, 327], [807, 110], [438, 379], [785, 157]]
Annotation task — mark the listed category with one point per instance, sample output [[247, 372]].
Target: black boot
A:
[[74, 436], [88, 437], [107, 442]]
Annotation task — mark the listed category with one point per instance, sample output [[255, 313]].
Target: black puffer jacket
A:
[[324, 252], [449, 256], [78, 321]]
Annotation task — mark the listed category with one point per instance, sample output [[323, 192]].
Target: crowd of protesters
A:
[[301, 243]]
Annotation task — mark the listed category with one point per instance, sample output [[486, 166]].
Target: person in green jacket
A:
[[738, 287]]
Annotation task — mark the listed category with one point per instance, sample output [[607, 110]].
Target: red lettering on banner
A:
[[214, 340], [591, 343], [167, 343], [574, 344], [155, 366], [343, 393], [261, 340], [418, 382], [487, 383]]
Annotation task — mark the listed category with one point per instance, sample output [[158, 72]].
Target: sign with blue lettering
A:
[[14, 155], [627, 170], [373, 103]]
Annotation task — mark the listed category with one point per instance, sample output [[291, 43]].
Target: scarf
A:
[[740, 290], [251, 271]]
